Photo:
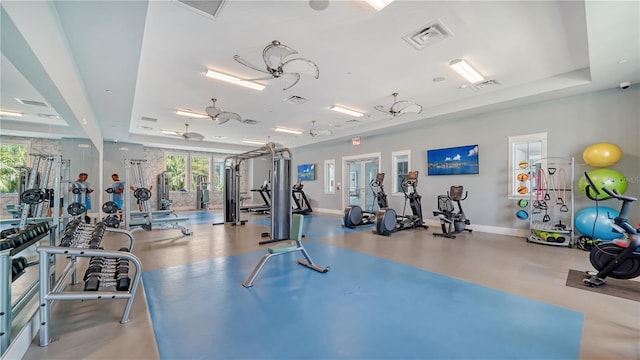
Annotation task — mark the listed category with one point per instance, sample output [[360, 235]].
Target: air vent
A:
[[427, 35], [209, 8], [249, 121], [486, 84], [296, 100], [150, 119], [144, 127], [352, 121], [32, 102]]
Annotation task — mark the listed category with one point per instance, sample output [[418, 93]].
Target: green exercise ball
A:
[[609, 178]]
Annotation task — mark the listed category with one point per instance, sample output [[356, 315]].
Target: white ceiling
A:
[[135, 59]]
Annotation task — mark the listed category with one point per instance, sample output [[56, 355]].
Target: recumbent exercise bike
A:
[[619, 259], [452, 222], [355, 216]]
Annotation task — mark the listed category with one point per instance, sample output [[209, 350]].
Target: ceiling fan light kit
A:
[[317, 132], [275, 57]]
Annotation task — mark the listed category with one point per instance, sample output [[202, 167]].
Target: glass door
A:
[[360, 174]]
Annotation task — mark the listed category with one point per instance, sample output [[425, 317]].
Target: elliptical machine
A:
[[387, 220], [353, 214], [450, 221], [619, 259]]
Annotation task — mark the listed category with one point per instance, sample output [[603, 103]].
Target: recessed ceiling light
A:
[[234, 80], [465, 70], [191, 114], [343, 110], [11, 113], [288, 130]]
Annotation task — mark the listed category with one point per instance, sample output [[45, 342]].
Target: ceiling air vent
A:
[[486, 84], [209, 8], [427, 35], [296, 100], [150, 119], [249, 121], [32, 102], [352, 121], [49, 116]]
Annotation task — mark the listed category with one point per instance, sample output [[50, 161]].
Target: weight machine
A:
[[135, 177], [280, 188], [162, 188], [202, 192], [452, 222], [33, 191]]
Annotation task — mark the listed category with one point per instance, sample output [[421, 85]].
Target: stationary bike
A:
[[452, 222], [619, 259], [355, 216], [386, 219]]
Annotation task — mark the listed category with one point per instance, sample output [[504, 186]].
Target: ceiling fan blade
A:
[[249, 65], [193, 136], [300, 65], [294, 76], [220, 121], [213, 111], [382, 109], [275, 53], [406, 106], [261, 78]]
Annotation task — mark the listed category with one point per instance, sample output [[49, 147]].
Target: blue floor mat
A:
[[202, 217], [364, 308]]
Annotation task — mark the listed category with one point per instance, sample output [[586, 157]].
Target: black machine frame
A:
[[452, 222], [355, 216], [387, 221]]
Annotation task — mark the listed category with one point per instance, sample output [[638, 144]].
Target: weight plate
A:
[[110, 207], [142, 194], [76, 209], [32, 196]]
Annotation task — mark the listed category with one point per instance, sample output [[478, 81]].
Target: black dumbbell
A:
[[17, 267], [94, 281], [6, 232], [109, 191]]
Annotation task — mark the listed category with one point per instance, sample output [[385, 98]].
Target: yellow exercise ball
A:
[[602, 155]]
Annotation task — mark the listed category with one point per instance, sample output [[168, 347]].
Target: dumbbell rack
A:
[[8, 310], [50, 292]]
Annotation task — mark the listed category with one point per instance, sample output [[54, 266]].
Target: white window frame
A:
[[29, 160], [513, 168], [394, 169], [329, 178]]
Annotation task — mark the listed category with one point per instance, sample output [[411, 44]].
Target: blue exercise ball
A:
[[595, 221]]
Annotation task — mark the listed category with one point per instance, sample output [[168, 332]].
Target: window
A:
[[401, 161], [218, 181], [176, 166], [199, 166], [329, 176], [523, 150], [13, 157]]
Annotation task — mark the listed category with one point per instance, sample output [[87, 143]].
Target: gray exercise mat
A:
[[626, 289]]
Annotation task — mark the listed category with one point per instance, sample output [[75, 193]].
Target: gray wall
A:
[[572, 123]]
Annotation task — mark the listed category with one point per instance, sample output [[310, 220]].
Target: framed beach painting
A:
[[453, 161]]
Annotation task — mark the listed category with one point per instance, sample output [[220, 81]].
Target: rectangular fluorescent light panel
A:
[[169, 132], [234, 80], [288, 130], [379, 4], [10, 113], [255, 142], [346, 111], [191, 114], [465, 70]]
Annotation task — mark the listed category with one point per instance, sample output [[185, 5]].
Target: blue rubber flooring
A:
[[364, 308]]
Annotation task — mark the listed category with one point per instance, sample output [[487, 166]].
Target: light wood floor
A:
[[90, 329]]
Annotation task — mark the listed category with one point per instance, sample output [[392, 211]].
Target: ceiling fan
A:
[[274, 56], [184, 134], [218, 115], [400, 107], [317, 132]]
